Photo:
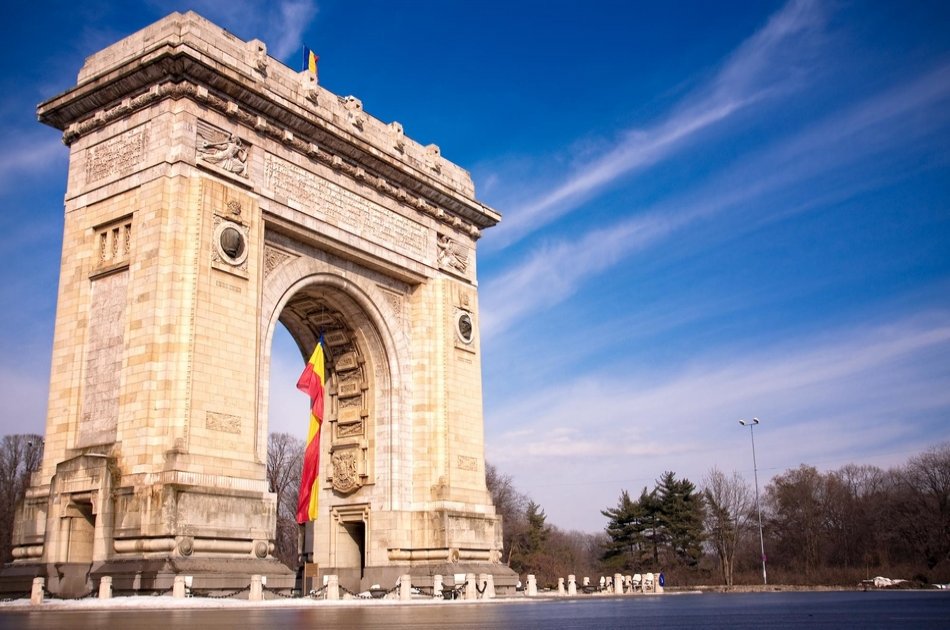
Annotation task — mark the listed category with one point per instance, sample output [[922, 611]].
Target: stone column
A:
[[470, 592], [571, 585], [437, 586], [560, 587], [36, 594], [532, 589], [490, 589], [257, 592], [178, 589], [105, 587], [405, 587], [618, 584]]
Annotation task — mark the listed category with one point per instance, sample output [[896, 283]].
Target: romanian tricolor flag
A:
[[310, 60], [312, 383]]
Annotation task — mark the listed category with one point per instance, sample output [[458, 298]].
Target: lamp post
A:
[[755, 472]]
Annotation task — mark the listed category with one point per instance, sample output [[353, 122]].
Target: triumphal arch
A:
[[213, 192]]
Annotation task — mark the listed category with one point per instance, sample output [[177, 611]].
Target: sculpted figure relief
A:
[[452, 254], [222, 149]]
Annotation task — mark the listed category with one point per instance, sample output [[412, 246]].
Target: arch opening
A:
[[356, 408]]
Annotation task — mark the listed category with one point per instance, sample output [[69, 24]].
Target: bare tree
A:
[[729, 506], [798, 506], [20, 456], [510, 504], [922, 508], [284, 464]]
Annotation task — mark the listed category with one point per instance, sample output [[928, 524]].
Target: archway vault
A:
[[366, 443]]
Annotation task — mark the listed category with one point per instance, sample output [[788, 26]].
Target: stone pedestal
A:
[[105, 587], [532, 588]]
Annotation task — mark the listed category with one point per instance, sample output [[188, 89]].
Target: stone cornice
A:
[[174, 68]]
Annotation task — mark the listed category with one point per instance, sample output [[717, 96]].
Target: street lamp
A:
[[755, 471]]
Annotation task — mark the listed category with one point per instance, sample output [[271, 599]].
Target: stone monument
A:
[[212, 193]]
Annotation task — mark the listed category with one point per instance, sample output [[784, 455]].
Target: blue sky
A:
[[712, 211]]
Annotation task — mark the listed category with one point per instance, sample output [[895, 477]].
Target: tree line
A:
[[835, 527]]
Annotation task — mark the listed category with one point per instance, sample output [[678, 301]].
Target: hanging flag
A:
[[310, 60], [311, 382]]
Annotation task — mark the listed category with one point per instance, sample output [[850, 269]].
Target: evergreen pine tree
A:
[[681, 512]]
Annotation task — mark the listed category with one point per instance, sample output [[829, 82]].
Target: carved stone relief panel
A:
[[118, 156], [274, 258], [221, 149], [113, 244], [106, 341], [346, 464], [453, 255]]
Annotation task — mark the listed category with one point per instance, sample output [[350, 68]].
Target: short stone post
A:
[[490, 587], [532, 590], [437, 586], [257, 592], [178, 588], [618, 584], [105, 587], [560, 587], [470, 592], [405, 587], [333, 587], [586, 581], [36, 593], [571, 585]]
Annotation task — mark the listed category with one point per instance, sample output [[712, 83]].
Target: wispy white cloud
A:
[[821, 398], [295, 18], [280, 24], [29, 154], [766, 64], [896, 117]]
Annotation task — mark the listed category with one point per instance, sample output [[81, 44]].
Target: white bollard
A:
[[571, 585], [532, 590], [333, 587], [36, 593], [470, 592], [405, 587], [437, 586], [490, 589], [560, 587], [257, 592], [105, 587], [618, 584], [586, 581], [178, 588]]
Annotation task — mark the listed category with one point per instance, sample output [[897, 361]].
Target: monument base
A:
[[211, 576]]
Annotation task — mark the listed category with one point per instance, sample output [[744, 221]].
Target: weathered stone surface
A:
[[212, 192]]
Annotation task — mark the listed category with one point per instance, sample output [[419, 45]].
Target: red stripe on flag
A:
[[311, 382]]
